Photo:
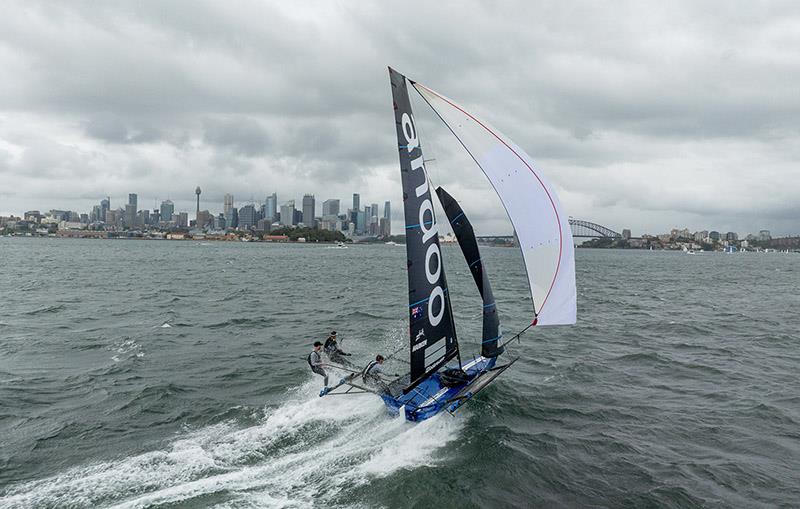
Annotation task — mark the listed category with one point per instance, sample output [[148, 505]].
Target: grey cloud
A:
[[241, 135], [113, 129], [627, 108]]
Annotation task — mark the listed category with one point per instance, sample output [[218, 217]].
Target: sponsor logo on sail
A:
[[427, 224]]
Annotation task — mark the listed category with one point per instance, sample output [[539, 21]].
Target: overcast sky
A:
[[644, 116]]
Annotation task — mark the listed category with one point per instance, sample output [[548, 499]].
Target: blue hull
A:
[[431, 396]]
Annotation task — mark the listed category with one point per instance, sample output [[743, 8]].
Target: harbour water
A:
[[173, 374]]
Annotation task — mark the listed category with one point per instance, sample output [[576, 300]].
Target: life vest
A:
[[309, 360]]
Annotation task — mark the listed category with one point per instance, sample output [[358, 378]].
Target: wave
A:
[[307, 441], [46, 309], [240, 322]]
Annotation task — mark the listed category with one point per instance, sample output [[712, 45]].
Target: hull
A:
[[432, 396]]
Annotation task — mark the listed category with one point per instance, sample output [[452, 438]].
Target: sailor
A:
[[373, 371], [315, 362], [332, 349]]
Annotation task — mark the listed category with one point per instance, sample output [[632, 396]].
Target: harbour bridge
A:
[[587, 229], [579, 227]]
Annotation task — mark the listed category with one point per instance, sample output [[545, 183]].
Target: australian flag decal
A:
[[417, 312]]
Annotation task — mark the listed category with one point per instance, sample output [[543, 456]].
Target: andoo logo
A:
[[428, 233]]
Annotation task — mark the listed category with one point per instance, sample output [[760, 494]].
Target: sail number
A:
[[432, 254]]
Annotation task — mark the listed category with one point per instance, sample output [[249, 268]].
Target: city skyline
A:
[[330, 208]]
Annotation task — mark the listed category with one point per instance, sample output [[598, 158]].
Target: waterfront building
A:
[[287, 213], [167, 210], [247, 217], [33, 216], [271, 207], [59, 215], [309, 207], [105, 206], [387, 210], [203, 219], [731, 236], [227, 206], [130, 215], [373, 225], [133, 199], [263, 225], [298, 216], [764, 236], [330, 208], [385, 227], [182, 220], [155, 217], [374, 210]]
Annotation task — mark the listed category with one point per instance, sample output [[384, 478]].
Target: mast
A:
[[431, 327], [469, 247]]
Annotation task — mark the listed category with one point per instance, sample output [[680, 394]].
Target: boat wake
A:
[[308, 451]]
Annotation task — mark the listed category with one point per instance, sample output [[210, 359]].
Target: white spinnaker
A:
[[541, 225]]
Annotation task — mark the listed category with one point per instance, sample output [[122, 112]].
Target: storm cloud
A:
[[644, 115]]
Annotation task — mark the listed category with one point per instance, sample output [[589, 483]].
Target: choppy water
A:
[[678, 388]]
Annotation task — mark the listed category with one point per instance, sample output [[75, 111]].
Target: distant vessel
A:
[[439, 379], [391, 243]]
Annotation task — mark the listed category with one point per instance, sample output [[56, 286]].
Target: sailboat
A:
[[440, 378]]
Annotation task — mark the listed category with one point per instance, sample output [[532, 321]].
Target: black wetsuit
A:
[[334, 352]]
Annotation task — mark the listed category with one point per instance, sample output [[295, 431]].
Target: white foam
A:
[[305, 451]]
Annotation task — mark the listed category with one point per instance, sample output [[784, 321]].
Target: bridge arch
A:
[[588, 229]]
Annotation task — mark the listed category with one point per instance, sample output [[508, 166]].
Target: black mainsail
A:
[[469, 246], [432, 330]]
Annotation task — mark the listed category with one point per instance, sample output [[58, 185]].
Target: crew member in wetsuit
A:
[[373, 371], [315, 362], [332, 349]]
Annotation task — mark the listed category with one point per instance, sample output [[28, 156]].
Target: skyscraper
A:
[[287, 213], [330, 208], [167, 210], [271, 207], [374, 211], [356, 202], [130, 210], [130, 215], [309, 208], [105, 206], [247, 217], [387, 210], [204, 217]]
